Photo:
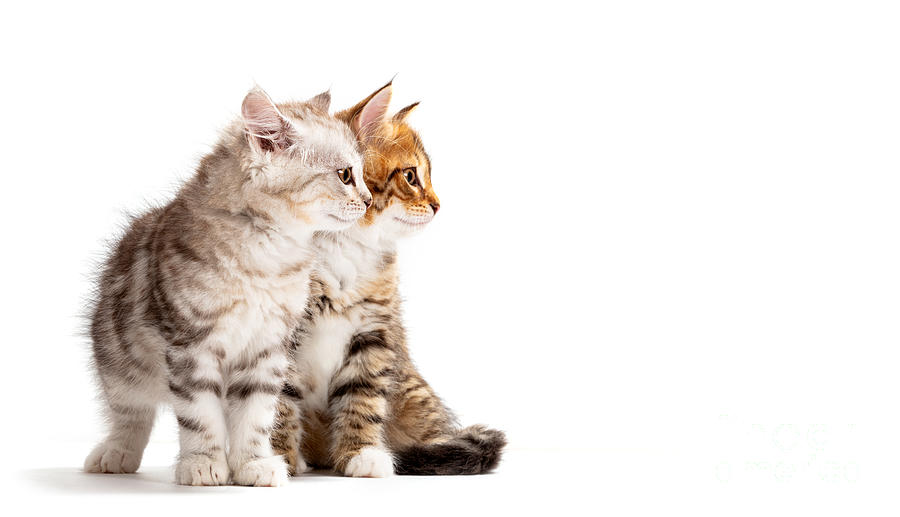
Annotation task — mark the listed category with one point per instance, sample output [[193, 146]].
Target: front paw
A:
[[300, 467], [370, 463], [295, 464], [270, 471], [113, 459], [201, 470]]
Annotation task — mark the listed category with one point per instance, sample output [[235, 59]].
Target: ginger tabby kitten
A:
[[353, 400]]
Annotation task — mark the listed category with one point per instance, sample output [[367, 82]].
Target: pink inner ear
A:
[[267, 127], [372, 115]]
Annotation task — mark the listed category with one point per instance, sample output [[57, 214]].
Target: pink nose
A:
[[435, 207]]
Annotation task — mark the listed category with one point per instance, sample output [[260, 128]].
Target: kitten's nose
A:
[[368, 201], [435, 206]]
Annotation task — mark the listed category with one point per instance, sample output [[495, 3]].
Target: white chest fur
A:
[[321, 355], [264, 315], [270, 282], [344, 265]]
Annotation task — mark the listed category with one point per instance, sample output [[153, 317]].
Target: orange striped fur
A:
[[377, 415]]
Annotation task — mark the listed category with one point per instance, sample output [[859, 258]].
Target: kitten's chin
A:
[[337, 222], [413, 223], [406, 226]]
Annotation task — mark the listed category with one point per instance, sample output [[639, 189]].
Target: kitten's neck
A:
[[350, 259], [371, 237], [214, 198]]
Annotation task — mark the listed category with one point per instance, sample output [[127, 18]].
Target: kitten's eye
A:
[[410, 175], [346, 175]]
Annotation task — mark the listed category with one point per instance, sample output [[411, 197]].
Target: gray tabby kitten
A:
[[198, 297]]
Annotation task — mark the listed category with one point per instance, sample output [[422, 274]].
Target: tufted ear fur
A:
[[322, 101], [267, 129], [401, 115], [369, 117]]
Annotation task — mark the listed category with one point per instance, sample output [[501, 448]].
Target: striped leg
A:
[[252, 397], [123, 449], [195, 382], [287, 434], [133, 387], [358, 405]]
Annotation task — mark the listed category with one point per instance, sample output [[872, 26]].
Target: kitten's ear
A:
[[267, 129], [370, 116], [322, 101], [401, 115]]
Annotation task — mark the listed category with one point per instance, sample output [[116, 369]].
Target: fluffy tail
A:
[[473, 450]]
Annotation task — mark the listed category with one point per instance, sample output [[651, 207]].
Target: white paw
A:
[[200, 469], [112, 459], [301, 467], [370, 463], [271, 471]]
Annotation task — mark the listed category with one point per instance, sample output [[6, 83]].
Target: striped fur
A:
[[354, 401], [198, 299]]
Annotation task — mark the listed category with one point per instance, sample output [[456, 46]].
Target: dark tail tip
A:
[[473, 450]]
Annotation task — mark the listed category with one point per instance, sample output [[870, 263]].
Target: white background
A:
[[666, 261]]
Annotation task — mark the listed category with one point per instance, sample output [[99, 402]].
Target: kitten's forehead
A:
[[399, 147], [329, 141]]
